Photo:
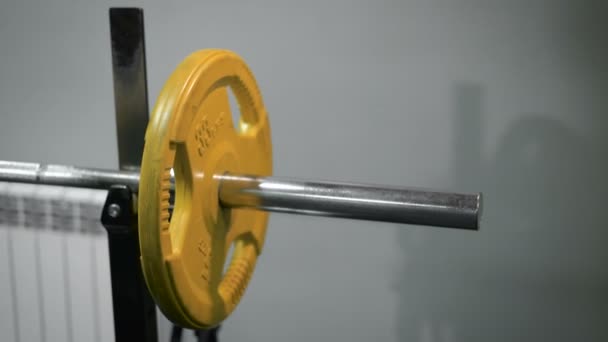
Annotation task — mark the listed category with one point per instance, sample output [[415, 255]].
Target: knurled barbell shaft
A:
[[345, 200], [64, 175]]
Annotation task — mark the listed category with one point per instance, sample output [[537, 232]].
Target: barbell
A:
[[205, 185]]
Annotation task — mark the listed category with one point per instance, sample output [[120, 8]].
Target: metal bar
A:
[[134, 309], [66, 175], [346, 200], [353, 201], [130, 85]]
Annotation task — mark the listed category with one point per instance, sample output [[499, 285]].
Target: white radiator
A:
[[54, 271], [54, 267]]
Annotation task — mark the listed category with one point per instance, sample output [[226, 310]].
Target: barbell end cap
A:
[[479, 211]]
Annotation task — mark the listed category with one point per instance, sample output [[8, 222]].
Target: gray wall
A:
[[506, 97]]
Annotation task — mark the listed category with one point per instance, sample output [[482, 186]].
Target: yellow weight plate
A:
[[191, 131]]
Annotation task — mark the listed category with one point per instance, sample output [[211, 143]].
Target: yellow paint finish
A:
[[191, 131]]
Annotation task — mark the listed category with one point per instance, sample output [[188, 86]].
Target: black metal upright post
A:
[[130, 84], [134, 308]]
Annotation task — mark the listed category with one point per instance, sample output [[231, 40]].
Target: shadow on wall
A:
[[536, 271]]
